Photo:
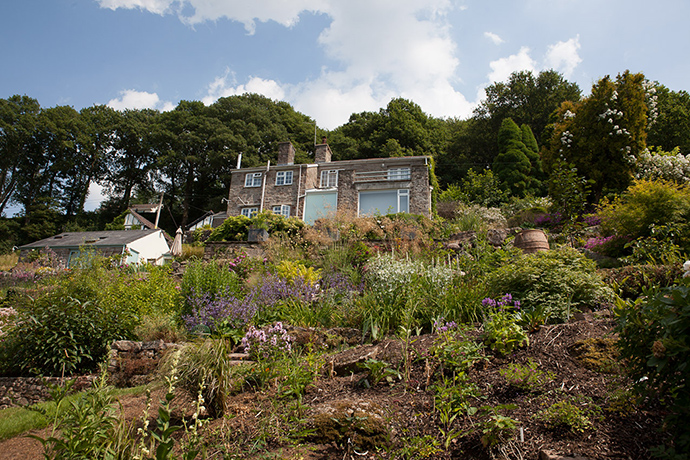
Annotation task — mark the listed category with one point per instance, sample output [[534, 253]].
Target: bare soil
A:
[[256, 425]]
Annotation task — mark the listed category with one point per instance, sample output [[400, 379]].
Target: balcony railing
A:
[[380, 176]]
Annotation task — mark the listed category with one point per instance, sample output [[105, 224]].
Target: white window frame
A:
[[249, 212], [284, 178], [329, 178], [406, 193], [399, 173], [253, 179], [282, 210]]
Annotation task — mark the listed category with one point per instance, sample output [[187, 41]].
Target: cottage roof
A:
[[103, 238]]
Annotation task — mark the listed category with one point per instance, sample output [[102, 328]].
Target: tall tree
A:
[[399, 129], [669, 120], [131, 163], [512, 166], [18, 120], [193, 147], [601, 135]]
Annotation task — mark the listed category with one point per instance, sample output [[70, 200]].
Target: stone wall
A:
[[135, 363], [25, 391]]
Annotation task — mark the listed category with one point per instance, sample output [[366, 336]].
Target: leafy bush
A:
[[207, 280], [234, 228], [647, 203], [575, 414], [61, 336], [525, 377], [631, 281], [502, 333], [654, 342], [557, 281]]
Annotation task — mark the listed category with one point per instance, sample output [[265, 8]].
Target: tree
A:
[[193, 149], [131, 163], [18, 120], [526, 99], [512, 166], [669, 125], [400, 129], [603, 134]]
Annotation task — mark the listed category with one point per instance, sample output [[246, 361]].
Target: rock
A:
[[360, 423], [126, 345], [347, 361]]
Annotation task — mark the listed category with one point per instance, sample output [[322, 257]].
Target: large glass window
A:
[[284, 178], [252, 179], [329, 179], [384, 202]]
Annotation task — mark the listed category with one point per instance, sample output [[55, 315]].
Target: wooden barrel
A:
[[531, 240]]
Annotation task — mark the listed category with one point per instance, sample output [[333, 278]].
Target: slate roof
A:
[[104, 238]]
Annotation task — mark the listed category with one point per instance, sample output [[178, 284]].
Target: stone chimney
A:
[[322, 154], [286, 153]]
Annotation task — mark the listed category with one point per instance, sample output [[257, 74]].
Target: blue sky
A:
[[328, 58]]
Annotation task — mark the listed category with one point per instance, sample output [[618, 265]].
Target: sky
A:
[[328, 58]]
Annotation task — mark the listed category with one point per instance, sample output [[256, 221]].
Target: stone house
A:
[[135, 246], [311, 191]]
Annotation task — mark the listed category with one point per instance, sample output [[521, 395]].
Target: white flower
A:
[[686, 269]]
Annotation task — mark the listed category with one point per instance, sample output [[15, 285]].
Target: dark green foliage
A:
[[57, 336], [631, 281], [512, 165], [671, 127], [481, 188], [568, 190], [654, 342]]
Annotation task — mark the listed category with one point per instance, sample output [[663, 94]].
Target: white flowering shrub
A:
[[672, 166], [7, 318], [388, 274]]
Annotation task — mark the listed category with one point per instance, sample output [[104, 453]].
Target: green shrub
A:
[[234, 228], [557, 281], [61, 336], [209, 279], [631, 281], [647, 203], [574, 414], [654, 343], [502, 333], [525, 377]]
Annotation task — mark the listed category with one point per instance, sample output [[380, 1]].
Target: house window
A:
[[250, 212], [252, 179], [384, 202], [282, 210], [399, 174], [284, 178], [329, 179]]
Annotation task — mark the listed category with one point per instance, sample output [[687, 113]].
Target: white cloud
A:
[[502, 68], [494, 38], [563, 56], [221, 88], [132, 99], [153, 6], [384, 49]]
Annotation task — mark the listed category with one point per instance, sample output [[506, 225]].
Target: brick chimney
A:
[[322, 154], [286, 153]]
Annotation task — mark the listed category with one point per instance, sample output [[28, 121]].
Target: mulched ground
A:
[[256, 424]]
